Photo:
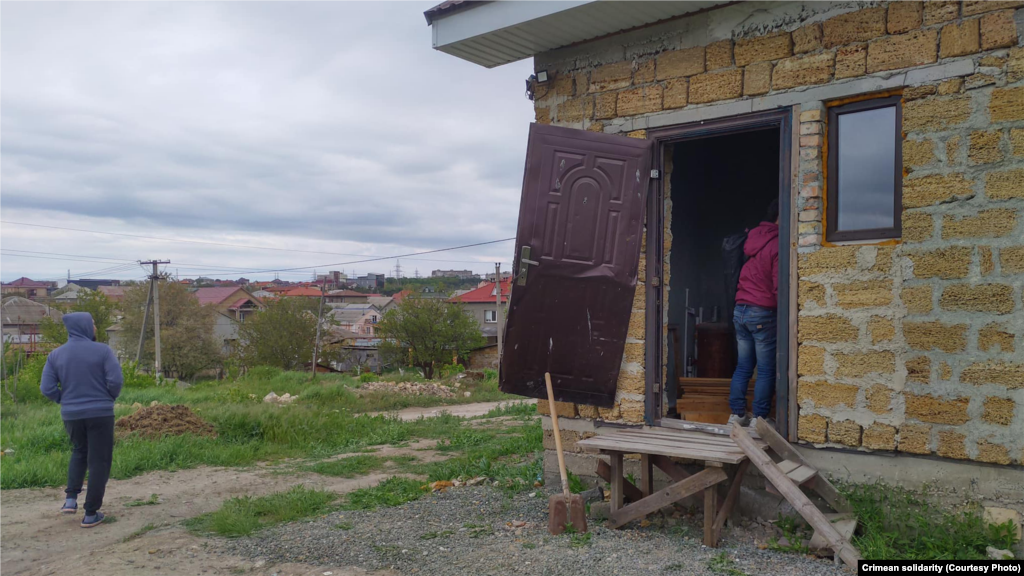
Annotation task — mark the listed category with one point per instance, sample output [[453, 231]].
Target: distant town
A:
[[352, 306]]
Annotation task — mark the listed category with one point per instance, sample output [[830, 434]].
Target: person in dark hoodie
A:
[[84, 377], [755, 321]]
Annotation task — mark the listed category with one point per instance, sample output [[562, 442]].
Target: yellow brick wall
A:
[[912, 345]]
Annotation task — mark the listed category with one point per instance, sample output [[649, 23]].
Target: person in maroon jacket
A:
[[755, 320]]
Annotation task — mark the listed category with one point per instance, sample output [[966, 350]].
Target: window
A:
[[490, 315], [865, 170]]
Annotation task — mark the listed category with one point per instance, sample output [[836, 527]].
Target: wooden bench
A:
[[657, 447]]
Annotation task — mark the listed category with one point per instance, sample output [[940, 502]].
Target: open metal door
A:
[[577, 251]]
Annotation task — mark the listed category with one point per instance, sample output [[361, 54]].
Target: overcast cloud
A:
[[316, 126]]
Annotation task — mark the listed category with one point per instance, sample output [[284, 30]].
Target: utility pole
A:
[[497, 292], [155, 291], [319, 322]]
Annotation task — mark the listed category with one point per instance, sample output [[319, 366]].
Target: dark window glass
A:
[[865, 170]]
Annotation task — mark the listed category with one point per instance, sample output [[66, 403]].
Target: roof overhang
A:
[[494, 33]]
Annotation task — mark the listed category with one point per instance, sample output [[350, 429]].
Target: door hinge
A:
[[655, 174]]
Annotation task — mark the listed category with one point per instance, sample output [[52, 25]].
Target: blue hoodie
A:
[[83, 375]]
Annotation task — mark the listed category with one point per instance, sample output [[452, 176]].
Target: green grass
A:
[[141, 531], [245, 515], [896, 523], [248, 432], [358, 465], [394, 491], [722, 564]]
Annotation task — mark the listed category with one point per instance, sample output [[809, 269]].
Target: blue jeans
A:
[[755, 342]]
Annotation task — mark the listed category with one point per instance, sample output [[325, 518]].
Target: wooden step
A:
[[844, 523], [799, 473]]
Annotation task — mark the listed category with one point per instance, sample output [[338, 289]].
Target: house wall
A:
[[911, 346], [477, 309]]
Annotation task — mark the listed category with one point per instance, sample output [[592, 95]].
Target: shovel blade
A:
[[561, 513]]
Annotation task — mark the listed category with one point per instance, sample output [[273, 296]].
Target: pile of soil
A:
[[164, 420]]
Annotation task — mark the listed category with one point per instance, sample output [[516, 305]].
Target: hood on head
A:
[[759, 237], [79, 324]]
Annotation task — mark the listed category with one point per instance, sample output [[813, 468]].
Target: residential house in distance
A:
[[892, 136], [505, 275], [21, 318], [27, 288], [95, 283], [69, 293], [302, 292], [383, 303], [460, 274], [113, 293], [346, 297], [481, 304], [360, 319], [232, 304]]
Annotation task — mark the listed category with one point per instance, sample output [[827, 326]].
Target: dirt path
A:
[[463, 410], [38, 540]]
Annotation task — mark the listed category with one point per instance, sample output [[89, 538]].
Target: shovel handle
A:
[[558, 436]]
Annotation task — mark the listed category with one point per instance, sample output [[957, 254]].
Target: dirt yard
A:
[[39, 540]]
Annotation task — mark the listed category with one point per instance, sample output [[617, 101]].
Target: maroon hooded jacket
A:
[[759, 278]]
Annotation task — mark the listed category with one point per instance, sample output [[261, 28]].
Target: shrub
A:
[[367, 377]]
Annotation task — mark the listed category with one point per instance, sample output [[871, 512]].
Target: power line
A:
[[378, 259]]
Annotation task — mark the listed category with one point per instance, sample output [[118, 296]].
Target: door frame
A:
[[782, 119]]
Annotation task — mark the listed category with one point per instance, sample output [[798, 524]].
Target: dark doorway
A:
[[719, 186]]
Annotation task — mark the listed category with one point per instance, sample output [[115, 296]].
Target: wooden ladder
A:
[[788, 476]]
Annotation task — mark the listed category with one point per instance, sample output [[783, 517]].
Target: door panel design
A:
[[582, 214]]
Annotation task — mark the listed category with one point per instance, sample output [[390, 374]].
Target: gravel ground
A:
[[477, 530]]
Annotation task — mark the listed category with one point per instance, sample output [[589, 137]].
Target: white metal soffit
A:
[[494, 33]]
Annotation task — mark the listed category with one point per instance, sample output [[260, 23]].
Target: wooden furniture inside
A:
[[723, 461], [707, 399]]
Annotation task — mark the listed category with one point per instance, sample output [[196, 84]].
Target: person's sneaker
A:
[[70, 506], [91, 520], [741, 421], [771, 422]]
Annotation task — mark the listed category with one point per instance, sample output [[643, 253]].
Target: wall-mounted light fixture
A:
[[534, 79]]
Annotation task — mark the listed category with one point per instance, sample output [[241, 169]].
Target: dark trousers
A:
[[92, 441]]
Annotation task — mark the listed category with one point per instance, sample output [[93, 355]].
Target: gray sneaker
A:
[[741, 421]]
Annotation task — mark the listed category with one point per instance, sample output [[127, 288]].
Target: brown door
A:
[[577, 251]]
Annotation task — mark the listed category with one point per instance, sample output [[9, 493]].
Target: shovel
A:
[[565, 507]]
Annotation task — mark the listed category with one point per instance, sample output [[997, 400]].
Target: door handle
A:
[[524, 265]]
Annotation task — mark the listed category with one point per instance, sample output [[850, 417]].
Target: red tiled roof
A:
[[401, 295], [238, 303], [215, 295], [24, 282], [346, 293], [309, 292], [115, 293], [484, 294]]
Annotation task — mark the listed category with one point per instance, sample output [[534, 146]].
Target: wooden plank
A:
[[845, 523], [796, 497], [684, 445], [676, 435], [730, 499], [717, 429], [629, 491], [646, 475], [666, 496], [675, 452], [788, 466], [802, 474], [668, 448], [819, 483], [617, 481], [674, 471], [710, 509]]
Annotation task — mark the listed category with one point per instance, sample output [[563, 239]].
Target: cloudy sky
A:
[[327, 127]]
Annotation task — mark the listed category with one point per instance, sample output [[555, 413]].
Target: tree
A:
[[187, 343], [283, 335], [427, 332], [95, 303]]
